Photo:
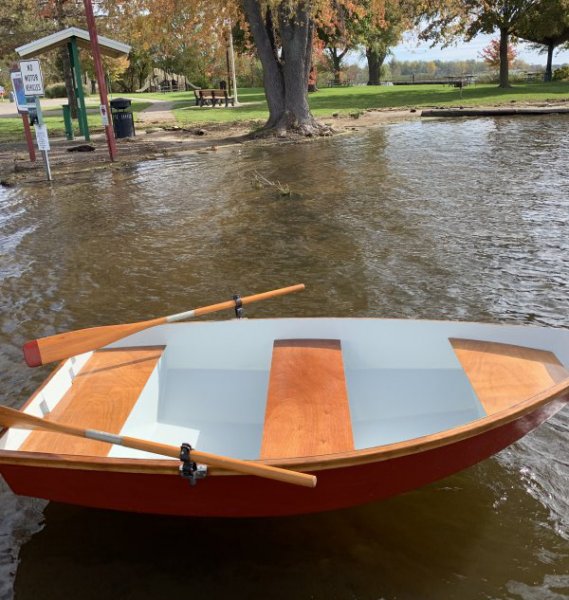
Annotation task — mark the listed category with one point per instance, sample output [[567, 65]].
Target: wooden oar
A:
[[15, 418], [63, 345]]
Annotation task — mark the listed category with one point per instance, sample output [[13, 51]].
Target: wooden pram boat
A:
[[372, 407]]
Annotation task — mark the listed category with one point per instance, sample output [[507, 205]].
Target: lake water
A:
[[426, 219]]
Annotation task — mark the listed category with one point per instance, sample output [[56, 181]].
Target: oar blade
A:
[[63, 345]]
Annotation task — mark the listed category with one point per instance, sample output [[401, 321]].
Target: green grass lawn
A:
[[323, 103], [11, 129], [328, 101]]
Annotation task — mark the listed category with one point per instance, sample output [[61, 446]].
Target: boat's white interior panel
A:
[[366, 343], [390, 405], [47, 398], [219, 411], [210, 386]]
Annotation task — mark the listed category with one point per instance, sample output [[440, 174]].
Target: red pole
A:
[[100, 75], [28, 134]]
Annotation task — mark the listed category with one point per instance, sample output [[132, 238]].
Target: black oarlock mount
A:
[[189, 469], [238, 306]]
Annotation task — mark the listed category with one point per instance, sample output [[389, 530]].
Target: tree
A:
[[337, 28], [20, 22], [547, 24], [282, 32], [491, 54], [468, 18], [186, 38], [139, 68], [379, 38], [62, 14], [285, 73]]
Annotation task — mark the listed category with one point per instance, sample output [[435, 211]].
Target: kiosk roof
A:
[[108, 47]]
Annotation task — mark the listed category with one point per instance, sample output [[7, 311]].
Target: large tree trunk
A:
[[285, 75], [375, 60], [504, 63], [548, 76]]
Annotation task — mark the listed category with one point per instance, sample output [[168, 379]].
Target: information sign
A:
[[104, 115], [19, 94], [32, 76], [41, 137]]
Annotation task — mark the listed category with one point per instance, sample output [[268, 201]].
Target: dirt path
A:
[[160, 111]]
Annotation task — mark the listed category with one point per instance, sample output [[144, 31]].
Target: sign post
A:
[[104, 108], [33, 89], [20, 99]]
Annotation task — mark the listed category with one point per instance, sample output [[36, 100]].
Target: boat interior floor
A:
[[305, 404]]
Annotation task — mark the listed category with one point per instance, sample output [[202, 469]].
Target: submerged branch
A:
[[259, 181]]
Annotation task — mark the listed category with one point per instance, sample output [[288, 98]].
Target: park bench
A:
[[213, 98]]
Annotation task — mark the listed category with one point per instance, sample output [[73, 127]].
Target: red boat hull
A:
[[244, 496]]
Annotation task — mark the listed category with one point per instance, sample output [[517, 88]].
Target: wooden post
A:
[[100, 76], [28, 134]]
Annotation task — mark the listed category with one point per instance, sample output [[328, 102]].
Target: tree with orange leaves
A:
[[282, 32], [491, 54]]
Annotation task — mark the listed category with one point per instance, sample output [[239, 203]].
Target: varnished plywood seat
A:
[[307, 411], [503, 375], [101, 397]]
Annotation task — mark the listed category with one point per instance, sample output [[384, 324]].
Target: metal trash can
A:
[[123, 119]]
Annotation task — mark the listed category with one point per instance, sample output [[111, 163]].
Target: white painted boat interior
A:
[[210, 386]]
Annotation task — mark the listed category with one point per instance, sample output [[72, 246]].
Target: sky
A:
[[411, 49]]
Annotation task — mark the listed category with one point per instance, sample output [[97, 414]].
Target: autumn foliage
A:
[[491, 54]]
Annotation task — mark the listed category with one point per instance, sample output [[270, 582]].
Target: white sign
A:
[[41, 137], [19, 95], [104, 115], [33, 80]]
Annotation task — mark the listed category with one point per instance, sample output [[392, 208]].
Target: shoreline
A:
[[157, 141]]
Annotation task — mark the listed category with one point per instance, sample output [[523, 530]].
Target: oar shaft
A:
[[14, 418], [63, 345], [224, 462], [204, 310]]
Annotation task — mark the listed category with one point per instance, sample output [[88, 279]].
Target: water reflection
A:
[[456, 540]]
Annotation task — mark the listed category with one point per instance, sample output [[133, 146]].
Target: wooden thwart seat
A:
[[101, 397], [503, 375], [307, 411]]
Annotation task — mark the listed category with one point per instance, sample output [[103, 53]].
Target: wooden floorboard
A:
[[503, 375], [101, 397], [307, 412]]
